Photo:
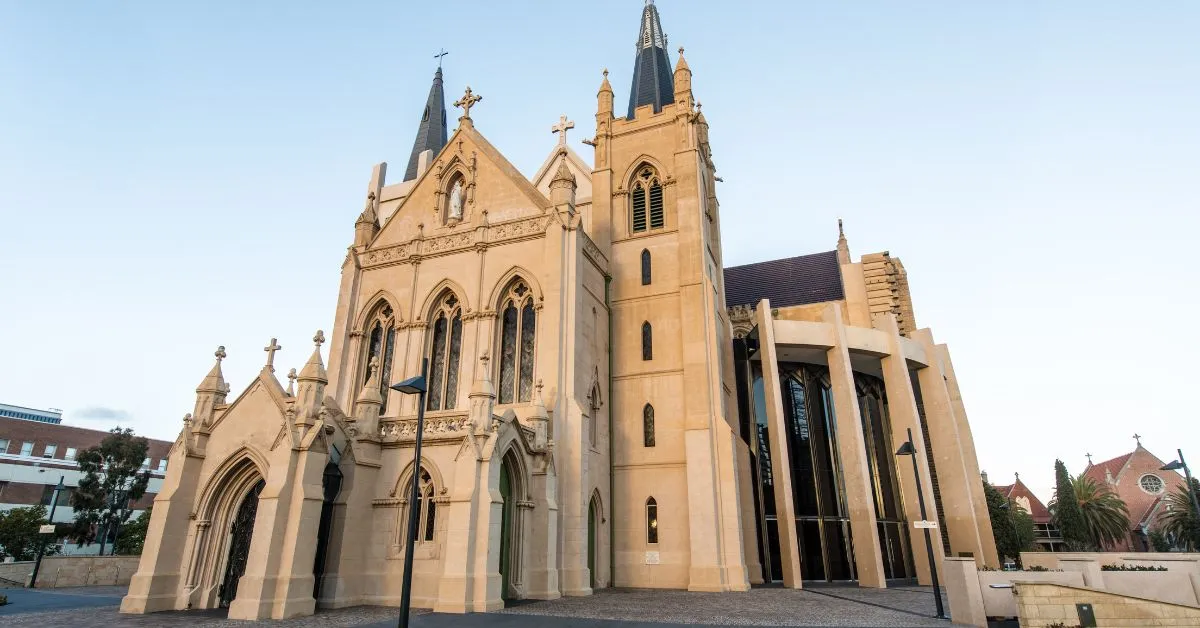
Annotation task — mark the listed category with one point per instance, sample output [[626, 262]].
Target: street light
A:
[[908, 449], [37, 564], [1176, 465], [413, 386]]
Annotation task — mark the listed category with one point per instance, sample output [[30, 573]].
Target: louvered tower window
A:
[[647, 201]]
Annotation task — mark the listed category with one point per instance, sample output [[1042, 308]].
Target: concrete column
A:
[[781, 467], [964, 593], [991, 556], [953, 477], [902, 409], [856, 476]]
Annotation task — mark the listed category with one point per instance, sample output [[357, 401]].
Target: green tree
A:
[[1104, 512], [1064, 509], [19, 536], [112, 478], [133, 535], [1178, 521], [1011, 525]]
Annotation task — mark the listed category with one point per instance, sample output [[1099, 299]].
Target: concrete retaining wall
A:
[[74, 571]]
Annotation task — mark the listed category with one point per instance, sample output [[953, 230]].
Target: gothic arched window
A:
[[645, 267], [651, 520], [646, 199], [647, 341], [445, 349], [426, 509], [381, 343], [518, 329], [648, 425], [594, 413]]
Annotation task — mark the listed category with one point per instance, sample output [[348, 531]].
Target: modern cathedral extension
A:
[[608, 404]]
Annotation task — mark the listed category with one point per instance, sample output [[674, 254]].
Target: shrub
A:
[[1132, 568]]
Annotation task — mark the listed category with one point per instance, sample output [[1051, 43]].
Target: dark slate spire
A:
[[652, 79], [432, 133]]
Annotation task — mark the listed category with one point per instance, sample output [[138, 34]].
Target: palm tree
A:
[[1104, 512], [1179, 521]]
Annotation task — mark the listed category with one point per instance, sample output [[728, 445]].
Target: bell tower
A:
[[674, 442]]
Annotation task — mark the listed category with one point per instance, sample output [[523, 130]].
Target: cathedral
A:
[[606, 404]]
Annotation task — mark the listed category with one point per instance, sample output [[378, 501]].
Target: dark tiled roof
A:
[[814, 278], [431, 135], [653, 81]]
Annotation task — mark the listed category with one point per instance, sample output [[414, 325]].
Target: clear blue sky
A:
[[179, 175]]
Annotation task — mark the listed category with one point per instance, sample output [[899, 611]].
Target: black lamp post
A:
[[412, 386], [1176, 465], [908, 449], [37, 564]]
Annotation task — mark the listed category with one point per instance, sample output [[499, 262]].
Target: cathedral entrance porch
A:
[[240, 535]]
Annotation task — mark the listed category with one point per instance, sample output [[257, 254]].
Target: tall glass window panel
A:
[[374, 347], [651, 521], [386, 372], [508, 353], [437, 363], [528, 327], [648, 425], [452, 362], [647, 341], [645, 267]]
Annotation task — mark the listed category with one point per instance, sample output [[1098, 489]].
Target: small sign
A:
[[925, 525], [652, 558], [46, 529]]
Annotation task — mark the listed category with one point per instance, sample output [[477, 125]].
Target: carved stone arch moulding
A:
[[431, 301], [401, 484], [502, 286], [219, 481], [376, 303]]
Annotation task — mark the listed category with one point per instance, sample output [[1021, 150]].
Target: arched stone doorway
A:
[[241, 532], [595, 519], [512, 489], [331, 484]]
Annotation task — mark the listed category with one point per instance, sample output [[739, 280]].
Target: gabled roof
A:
[[1098, 471], [1037, 509], [815, 278]]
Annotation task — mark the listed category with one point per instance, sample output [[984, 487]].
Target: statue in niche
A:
[[457, 196]]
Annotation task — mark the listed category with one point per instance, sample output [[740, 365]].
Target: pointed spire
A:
[[681, 65], [314, 369], [214, 382], [604, 99], [652, 79], [843, 247], [291, 389], [370, 391], [431, 135]]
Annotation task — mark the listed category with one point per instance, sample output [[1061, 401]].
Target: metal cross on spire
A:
[[561, 129], [1089, 457], [441, 53], [271, 349], [1138, 438]]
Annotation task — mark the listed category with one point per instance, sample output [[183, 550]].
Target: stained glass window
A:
[[528, 326], [647, 341], [430, 513], [518, 337], [651, 520], [508, 353], [426, 509], [452, 366], [380, 344], [645, 267], [648, 425], [438, 363]]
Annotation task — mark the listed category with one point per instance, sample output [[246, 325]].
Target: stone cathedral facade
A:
[[601, 410]]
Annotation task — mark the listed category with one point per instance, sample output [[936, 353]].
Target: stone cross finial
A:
[[441, 53], [561, 129], [291, 391], [271, 349], [605, 73], [841, 234], [220, 353], [319, 339], [467, 101], [187, 419], [1138, 438], [681, 50], [1089, 457]]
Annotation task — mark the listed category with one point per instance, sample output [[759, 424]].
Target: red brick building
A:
[[1046, 535], [1137, 477], [36, 450]]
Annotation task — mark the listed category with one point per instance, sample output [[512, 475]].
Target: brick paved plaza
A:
[[815, 606]]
